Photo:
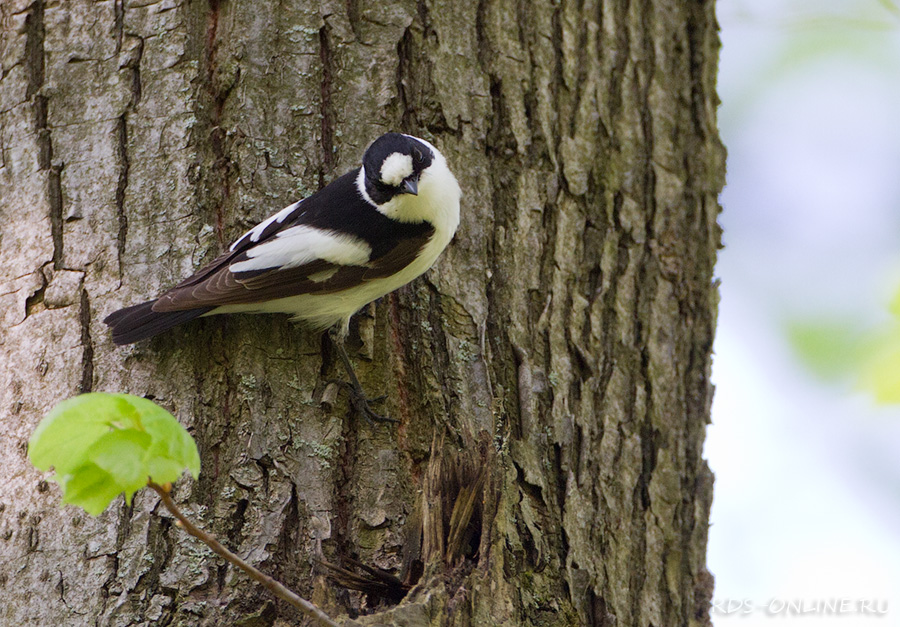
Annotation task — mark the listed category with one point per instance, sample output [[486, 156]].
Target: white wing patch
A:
[[395, 168], [302, 244], [256, 232]]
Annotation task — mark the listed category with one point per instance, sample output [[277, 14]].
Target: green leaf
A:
[[91, 488], [103, 444], [121, 453], [70, 429]]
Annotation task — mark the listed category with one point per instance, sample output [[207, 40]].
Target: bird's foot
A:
[[360, 402], [358, 399]]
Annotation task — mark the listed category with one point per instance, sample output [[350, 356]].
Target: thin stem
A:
[[270, 584]]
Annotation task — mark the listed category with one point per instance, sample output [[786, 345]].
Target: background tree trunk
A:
[[551, 374]]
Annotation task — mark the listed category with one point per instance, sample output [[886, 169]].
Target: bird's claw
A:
[[360, 402]]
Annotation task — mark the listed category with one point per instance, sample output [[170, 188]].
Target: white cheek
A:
[[395, 168]]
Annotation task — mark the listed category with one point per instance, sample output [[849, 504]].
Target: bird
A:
[[322, 258]]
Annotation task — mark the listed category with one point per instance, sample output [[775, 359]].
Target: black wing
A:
[[337, 209]]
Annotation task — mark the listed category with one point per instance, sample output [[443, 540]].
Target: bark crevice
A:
[[326, 112], [87, 344], [121, 187]]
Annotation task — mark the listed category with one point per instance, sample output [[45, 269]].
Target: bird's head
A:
[[393, 166]]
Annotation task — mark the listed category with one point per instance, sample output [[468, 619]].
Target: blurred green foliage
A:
[[859, 31], [837, 350]]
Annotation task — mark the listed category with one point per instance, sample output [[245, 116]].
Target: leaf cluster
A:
[[101, 445]]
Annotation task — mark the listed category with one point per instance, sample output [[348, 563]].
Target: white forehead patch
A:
[[395, 168]]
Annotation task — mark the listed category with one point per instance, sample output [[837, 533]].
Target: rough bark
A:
[[551, 373]]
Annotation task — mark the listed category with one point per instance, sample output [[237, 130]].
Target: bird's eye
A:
[[417, 155]]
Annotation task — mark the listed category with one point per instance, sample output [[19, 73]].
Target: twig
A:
[[270, 584]]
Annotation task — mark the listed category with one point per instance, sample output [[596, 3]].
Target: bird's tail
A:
[[139, 322]]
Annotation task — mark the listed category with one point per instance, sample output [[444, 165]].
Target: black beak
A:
[[411, 185]]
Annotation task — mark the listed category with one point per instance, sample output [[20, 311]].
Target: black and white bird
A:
[[323, 258]]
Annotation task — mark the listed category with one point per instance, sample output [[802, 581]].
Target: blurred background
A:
[[805, 440]]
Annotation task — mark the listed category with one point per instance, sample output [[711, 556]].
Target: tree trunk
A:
[[550, 374]]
